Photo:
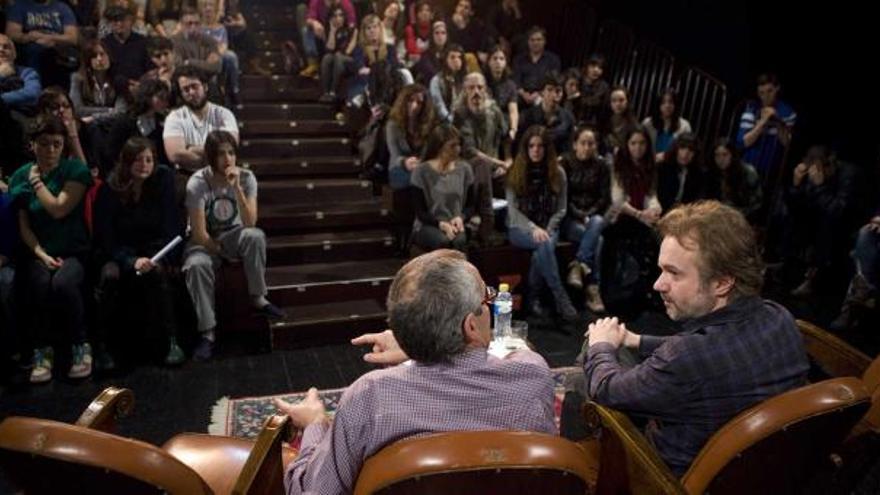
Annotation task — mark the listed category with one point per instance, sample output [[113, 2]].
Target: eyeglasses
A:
[[489, 296]]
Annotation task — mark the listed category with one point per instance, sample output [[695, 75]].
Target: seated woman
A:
[[370, 53], [338, 48], [594, 92], [446, 84], [221, 200], [135, 217], [418, 33], [536, 202], [503, 88], [145, 119], [91, 87], [213, 27], [49, 196], [589, 196], [444, 193], [432, 60], [666, 123], [634, 181], [406, 135], [680, 176], [617, 121], [54, 103], [732, 181], [571, 90]]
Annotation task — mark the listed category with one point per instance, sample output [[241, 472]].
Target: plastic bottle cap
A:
[[503, 288]]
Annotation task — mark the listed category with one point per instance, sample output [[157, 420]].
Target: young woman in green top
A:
[[48, 194]]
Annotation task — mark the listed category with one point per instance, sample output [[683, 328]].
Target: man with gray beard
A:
[[483, 130]]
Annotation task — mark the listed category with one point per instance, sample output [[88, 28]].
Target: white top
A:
[[182, 122]]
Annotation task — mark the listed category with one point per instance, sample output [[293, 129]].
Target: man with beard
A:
[[187, 127], [193, 47], [482, 128], [734, 351]]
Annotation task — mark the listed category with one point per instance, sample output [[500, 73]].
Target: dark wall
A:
[[826, 58]]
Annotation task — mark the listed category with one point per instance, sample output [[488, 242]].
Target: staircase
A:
[[329, 246]]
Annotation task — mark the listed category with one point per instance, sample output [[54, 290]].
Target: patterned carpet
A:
[[244, 417]]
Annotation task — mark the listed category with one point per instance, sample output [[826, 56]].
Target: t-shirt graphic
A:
[[221, 212]]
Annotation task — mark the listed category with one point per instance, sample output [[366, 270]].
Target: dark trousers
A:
[[152, 292], [404, 213], [52, 299], [430, 238]]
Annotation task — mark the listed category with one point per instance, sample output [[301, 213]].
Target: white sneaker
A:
[[42, 370], [81, 361]]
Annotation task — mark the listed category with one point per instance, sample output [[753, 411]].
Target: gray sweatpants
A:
[[199, 268]]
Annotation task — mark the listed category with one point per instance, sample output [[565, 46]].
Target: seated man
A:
[[161, 53], [438, 308], [127, 50], [551, 114], [193, 47], [46, 31], [19, 89], [735, 349], [530, 68], [187, 127]]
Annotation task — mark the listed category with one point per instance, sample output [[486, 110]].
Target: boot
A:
[[536, 309], [256, 67], [577, 270], [311, 69], [805, 289], [859, 297], [564, 307], [594, 299]]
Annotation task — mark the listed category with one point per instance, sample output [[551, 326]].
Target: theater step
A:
[[323, 247], [272, 40], [295, 148], [320, 283], [291, 219], [270, 58], [277, 88], [314, 192], [330, 322], [284, 111], [305, 128], [312, 167]]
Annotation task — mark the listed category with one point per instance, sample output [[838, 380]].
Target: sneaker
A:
[[594, 299], [564, 307], [80, 361], [204, 350], [42, 368], [175, 354], [272, 312]]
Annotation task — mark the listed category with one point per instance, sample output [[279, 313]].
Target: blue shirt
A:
[[692, 383], [26, 97], [51, 17], [766, 153]]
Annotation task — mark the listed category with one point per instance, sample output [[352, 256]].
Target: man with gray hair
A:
[[438, 310], [483, 128]]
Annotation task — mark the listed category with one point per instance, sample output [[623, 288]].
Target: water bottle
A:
[[503, 312]]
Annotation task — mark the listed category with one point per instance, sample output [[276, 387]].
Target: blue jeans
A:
[[543, 270], [310, 43], [230, 70], [866, 253], [588, 237]]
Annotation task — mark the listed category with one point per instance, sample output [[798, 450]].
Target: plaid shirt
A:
[[691, 383], [475, 391]]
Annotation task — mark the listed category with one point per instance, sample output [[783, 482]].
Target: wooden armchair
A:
[[479, 462], [765, 449], [43, 456]]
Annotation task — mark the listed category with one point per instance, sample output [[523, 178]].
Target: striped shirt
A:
[[692, 383], [766, 153], [475, 391]]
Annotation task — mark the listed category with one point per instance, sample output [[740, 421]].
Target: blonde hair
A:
[[382, 52]]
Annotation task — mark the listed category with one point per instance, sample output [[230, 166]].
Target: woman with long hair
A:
[[431, 60], [91, 87], [618, 119], [370, 54], [341, 41], [444, 193], [634, 180], [135, 217], [666, 123], [503, 88], [446, 84], [536, 201], [680, 175], [406, 135], [732, 181], [55, 103]]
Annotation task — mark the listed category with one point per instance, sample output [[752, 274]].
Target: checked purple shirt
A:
[[475, 391], [693, 382]]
